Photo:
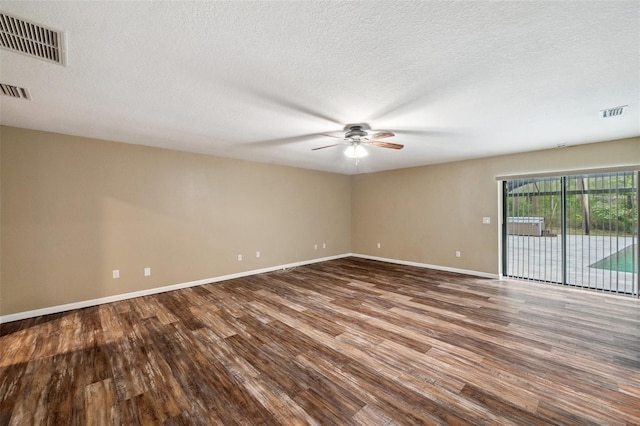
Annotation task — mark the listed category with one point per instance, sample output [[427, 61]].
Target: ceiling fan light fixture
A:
[[355, 151]]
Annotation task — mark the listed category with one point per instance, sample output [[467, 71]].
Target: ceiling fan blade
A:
[[332, 136], [381, 135], [289, 103], [328, 146], [286, 140], [387, 145], [427, 132]]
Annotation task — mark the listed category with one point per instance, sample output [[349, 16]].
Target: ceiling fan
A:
[[357, 137]]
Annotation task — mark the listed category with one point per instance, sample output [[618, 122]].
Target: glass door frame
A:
[[563, 226]]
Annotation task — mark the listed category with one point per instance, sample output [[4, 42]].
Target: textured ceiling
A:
[[261, 80]]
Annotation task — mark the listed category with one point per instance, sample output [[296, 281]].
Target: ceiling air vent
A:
[[612, 112], [14, 91], [32, 39]]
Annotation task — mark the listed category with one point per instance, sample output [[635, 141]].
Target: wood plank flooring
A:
[[348, 341]]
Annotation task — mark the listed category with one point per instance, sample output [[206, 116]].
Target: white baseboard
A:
[[102, 300], [426, 265]]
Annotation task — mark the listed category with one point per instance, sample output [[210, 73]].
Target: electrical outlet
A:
[[315, 247], [379, 245], [458, 254], [239, 258], [116, 273], [147, 272], [257, 254], [324, 245]]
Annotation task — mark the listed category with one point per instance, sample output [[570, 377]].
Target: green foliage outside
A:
[[596, 204]]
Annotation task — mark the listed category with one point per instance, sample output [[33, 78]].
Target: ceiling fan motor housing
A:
[[355, 132]]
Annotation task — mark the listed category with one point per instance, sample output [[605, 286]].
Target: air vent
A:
[[14, 91], [31, 39], [612, 112]]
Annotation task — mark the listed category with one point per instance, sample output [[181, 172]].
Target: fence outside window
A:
[[578, 230]]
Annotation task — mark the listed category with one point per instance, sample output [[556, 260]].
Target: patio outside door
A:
[[575, 230]]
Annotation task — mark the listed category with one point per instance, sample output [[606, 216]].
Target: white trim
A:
[[612, 169], [426, 265], [102, 300]]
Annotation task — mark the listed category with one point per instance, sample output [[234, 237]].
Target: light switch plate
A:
[[486, 220]]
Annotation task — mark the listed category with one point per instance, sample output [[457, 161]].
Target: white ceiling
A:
[[261, 80]]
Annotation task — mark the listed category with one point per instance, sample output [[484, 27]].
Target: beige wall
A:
[[74, 209], [425, 214]]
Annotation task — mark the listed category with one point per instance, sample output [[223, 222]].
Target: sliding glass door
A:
[[577, 230], [533, 223]]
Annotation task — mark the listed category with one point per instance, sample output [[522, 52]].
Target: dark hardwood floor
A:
[[349, 341]]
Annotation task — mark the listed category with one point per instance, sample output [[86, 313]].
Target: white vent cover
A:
[[14, 91], [32, 39], [612, 112]]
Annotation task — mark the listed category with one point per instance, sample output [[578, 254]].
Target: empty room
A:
[[319, 212]]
